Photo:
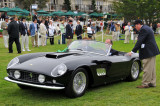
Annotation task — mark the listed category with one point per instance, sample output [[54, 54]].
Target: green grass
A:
[[116, 94]]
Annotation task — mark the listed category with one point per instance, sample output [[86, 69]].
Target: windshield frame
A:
[[107, 53]]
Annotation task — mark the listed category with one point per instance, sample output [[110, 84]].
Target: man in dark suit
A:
[[24, 33], [35, 16], [78, 31], [13, 31], [69, 32], [3, 16], [112, 51], [148, 50]]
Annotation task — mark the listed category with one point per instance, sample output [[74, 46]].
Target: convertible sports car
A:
[[83, 64]]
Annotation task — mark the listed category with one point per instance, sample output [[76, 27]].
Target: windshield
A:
[[90, 46]]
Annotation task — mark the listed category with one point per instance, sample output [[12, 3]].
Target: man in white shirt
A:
[[24, 34]]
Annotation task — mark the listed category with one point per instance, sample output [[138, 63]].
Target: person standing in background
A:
[[69, 32], [63, 32], [135, 34], [112, 29], [35, 16], [78, 31], [101, 25], [94, 30], [51, 32], [158, 28], [24, 35], [13, 31], [43, 32], [3, 16], [33, 29], [128, 30], [117, 32], [4, 26]]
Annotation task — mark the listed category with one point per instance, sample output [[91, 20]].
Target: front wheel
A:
[[135, 71], [78, 84]]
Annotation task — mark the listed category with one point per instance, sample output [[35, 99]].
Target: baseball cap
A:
[[138, 22]]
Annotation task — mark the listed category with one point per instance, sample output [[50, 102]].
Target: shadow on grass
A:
[[58, 94]]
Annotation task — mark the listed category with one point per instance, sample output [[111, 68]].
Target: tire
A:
[[78, 84], [135, 71], [23, 86]]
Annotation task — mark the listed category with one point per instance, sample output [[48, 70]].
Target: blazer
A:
[[69, 31], [127, 31], [23, 29], [4, 26], [13, 29], [78, 30], [146, 43], [113, 52], [32, 29], [43, 29]]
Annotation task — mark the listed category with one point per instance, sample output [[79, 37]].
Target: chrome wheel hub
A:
[[135, 70], [79, 82]]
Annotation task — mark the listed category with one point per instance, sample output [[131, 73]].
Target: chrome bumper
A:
[[34, 85]]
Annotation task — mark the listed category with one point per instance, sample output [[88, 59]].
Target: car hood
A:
[[45, 64]]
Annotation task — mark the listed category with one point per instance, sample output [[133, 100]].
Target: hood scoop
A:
[[59, 55]]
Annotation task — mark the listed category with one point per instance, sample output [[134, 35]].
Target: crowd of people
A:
[[47, 27]]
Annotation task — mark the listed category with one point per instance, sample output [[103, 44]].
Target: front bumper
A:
[[34, 85]]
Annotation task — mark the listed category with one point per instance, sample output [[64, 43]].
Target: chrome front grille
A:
[[26, 76]]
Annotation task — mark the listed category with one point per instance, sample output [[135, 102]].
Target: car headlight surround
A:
[[13, 62], [41, 78], [59, 70], [17, 74]]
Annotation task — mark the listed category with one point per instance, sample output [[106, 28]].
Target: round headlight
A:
[[41, 78], [17, 74], [13, 62], [59, 70]]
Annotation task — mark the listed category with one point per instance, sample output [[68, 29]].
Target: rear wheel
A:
[[78, 84], [135, 70]]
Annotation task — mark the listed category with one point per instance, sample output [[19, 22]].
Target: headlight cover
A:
[[59, 70], [17, 74], [13, 62], [41, 78]]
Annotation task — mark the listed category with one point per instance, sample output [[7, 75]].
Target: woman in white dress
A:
[[51, 32]]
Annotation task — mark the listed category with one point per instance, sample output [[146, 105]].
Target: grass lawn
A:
[[117, 94]]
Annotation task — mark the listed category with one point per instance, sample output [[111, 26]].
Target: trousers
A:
[[149, 69]]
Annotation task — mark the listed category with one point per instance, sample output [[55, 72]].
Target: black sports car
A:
[[84, 63]]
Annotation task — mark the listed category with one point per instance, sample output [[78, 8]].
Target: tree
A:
[[94, 6], [147, 10], [27, 3], [41, 3], [67, 5]]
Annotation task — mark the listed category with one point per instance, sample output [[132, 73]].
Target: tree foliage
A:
[[41, 3], [27, 3], [94, 6], [67, 5], [148, 10]]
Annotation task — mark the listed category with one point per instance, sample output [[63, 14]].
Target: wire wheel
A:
[[135, 70], [79, 82]]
